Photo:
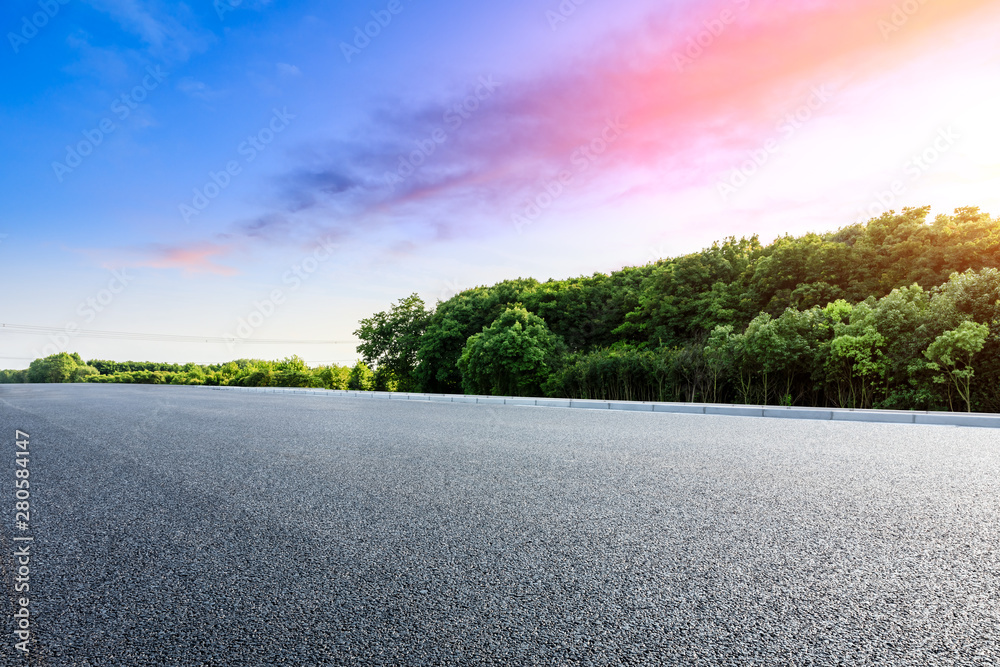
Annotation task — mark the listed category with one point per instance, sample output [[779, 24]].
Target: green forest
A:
[[289, 372], [901, 312]]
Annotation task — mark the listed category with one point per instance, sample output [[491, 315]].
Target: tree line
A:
[[899, 312], [288, 372]]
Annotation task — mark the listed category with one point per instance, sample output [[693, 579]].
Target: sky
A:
[[229, 179]]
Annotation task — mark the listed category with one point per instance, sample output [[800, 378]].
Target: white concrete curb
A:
[[834, 414]]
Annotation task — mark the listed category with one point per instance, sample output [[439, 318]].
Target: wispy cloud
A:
[[106, 64], [189, 258], [170, 32], [441, 168], [199, 90]]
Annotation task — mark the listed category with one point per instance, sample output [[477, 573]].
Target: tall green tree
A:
[[952, 353], [453, 321], [54, 368], [391, 340], [689, 296], [513, 356], [856, 365], [361, 378], [718, 360]]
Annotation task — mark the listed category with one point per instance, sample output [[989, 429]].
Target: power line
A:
[[161, 338], [201, 363]]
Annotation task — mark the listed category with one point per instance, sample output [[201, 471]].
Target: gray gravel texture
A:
[[179, 526]]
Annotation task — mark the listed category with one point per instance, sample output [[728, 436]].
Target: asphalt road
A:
[[185, 526]]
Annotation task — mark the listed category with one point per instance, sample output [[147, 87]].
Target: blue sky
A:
[[204, 169]]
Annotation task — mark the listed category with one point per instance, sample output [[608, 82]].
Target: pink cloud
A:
[[686, 113], [683, 116], [692, 97], [198, 257]]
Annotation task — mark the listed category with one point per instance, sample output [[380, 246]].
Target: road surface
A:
[[186, 526]]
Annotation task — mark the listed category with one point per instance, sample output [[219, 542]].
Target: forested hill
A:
[[900, 312], [806, 320]]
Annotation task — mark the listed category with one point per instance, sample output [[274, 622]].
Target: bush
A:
[[513, 356]]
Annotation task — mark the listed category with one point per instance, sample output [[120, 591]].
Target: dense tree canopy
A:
[[843, 318], [60, 367], [390, 341], [513, 356], [899, 312], [288, 372]]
